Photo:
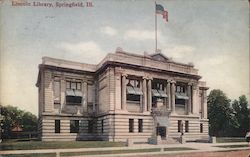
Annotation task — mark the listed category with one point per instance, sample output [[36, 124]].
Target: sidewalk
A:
[[200, 147]]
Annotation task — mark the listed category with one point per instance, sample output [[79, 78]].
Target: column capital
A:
[[123, 74], [150, 78], [190, 83], [144, 78], [195, 86], [173, 81], [168, 81]]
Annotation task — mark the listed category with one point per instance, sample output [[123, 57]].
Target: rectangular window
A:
[[180, 89], [74, 85], [186, 126], [180, 101], [57, 126], [73, 93], [201, 128], [131, 125], [140, 125], [90, 93], [179, 125], [133, 90], [78, 85], [56, 91], [131, 97], [74, 126], [102, 126], [90, 126]]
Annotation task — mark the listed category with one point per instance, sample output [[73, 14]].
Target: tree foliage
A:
[[242, 114], [12, 116], [227, 119]]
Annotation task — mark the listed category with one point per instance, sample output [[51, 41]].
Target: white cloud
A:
[[179, 51], [140, 34], [87, 52], [108, 30]]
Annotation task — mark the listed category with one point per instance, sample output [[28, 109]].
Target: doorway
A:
[[161, 130]]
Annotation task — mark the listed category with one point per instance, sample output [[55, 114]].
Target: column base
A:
[[146, 112], [173, 113]]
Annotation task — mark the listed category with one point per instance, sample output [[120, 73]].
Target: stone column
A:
[[144, 88], [124, 93], [194, 100], [205, 104], [169, 94], [63, 88], [173, 96], [149, 95], [189, 99], [165, 99], [94, 96], [85, 96]]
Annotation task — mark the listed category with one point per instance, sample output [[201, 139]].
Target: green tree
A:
[[221, 116], [29, 122], [12, 116], [242, 115]]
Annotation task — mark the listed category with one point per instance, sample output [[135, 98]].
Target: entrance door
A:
[[161, 130]]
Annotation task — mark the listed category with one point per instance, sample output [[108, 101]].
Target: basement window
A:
[[186, 126], [140, 125], [201, 128], [179, 126], [57, 126], [131, 125], [74, 126]]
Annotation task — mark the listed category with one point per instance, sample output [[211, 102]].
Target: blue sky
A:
[[214, 35]]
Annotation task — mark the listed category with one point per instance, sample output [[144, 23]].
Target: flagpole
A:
[[155, 29]]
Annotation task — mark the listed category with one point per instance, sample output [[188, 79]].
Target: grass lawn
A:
[[230, 139], [123, 151], [31, 155], [109, 152], [178, 149], [26, 145], [234, 146]]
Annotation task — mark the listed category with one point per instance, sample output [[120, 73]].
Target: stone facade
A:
[[124, 96]]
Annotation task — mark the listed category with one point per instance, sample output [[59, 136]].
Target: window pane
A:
[[79, 86], [186, 126], [90, 126], [140, 125], [68, 85], [131, 125], [137, 83], [179, 126], [102, 126], [180, 101], [131, 97], [56, 90], [178, 89], [201, 128], [74, 126], [74, 100], [90, 93], [73, 85], [57, 126]]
